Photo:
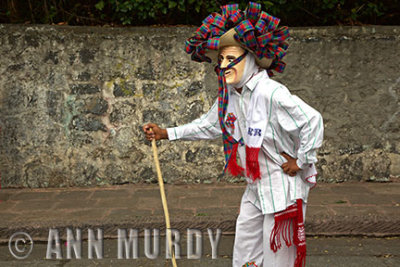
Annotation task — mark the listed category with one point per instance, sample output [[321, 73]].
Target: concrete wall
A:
[[73, 100]]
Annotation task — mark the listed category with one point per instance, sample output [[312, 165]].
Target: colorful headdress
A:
[[252, 29]]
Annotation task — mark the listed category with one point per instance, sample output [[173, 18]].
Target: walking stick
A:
[[164, 200]]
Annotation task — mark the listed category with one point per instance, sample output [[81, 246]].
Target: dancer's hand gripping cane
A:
[[152, 132], [154, 135]]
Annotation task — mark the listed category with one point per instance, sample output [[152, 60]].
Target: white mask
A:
[[250, 69]]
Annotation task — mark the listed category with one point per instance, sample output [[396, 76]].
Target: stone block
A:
[[84, 76], [83, 123], [97, 106], [86, 55], [394, 164], [124, 89], [121, 112], [78, 89]]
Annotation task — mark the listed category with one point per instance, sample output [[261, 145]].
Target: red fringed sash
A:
[[233, 167], [293, 215], [252, 165]]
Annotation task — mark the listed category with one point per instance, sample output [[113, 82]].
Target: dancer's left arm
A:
[[298, 118]]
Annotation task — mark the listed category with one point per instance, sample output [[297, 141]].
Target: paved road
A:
[[322, 251]]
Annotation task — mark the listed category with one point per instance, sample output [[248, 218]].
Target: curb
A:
[[370, 226]]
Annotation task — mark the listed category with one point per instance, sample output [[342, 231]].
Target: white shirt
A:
[[293, 127]]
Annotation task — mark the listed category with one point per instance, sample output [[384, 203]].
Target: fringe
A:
[[284, 220], [300, 259], [252, 165], [286, 232], [233, 167], [275, 239]]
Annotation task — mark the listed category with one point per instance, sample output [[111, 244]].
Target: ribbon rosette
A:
[[255, 29], [230, 121], [250, 264]]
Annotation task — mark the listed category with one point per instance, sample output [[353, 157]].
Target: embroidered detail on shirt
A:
[[230, 121], [254, 132], [250, 264]]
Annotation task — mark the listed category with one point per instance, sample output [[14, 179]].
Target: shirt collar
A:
[[252, 83]]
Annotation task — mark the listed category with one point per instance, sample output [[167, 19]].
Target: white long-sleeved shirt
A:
[[292, 127]]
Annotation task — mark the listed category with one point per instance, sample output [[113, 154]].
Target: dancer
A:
[[274, 133]]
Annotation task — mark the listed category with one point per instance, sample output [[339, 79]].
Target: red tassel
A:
[[300, 259], [286, 232], [300, 236], [291, 217], [275, 238], [282, 227], [233, 167], [252, 165], [301, 247]]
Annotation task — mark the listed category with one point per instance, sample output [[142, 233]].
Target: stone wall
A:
[[74, 99]]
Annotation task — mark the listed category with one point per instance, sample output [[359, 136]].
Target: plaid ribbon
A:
[[256, 30], [230, 121], [253, 11], [230, 144]]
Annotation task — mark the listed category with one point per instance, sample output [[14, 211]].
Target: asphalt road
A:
[[321, 251]]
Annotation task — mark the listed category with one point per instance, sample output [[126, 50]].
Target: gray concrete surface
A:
[[321, 251]]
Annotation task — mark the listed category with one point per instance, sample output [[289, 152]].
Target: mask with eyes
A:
[[241, 73]]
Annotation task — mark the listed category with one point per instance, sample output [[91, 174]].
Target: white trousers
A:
[[253, 230]]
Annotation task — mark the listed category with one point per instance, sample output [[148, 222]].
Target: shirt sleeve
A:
[[298, 118], [206, 127]]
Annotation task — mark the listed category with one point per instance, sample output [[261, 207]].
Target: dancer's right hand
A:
[[152, 131]]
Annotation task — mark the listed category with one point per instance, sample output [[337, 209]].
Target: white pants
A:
[[252, 243]]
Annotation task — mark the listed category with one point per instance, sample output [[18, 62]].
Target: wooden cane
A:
[[163, 199]]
